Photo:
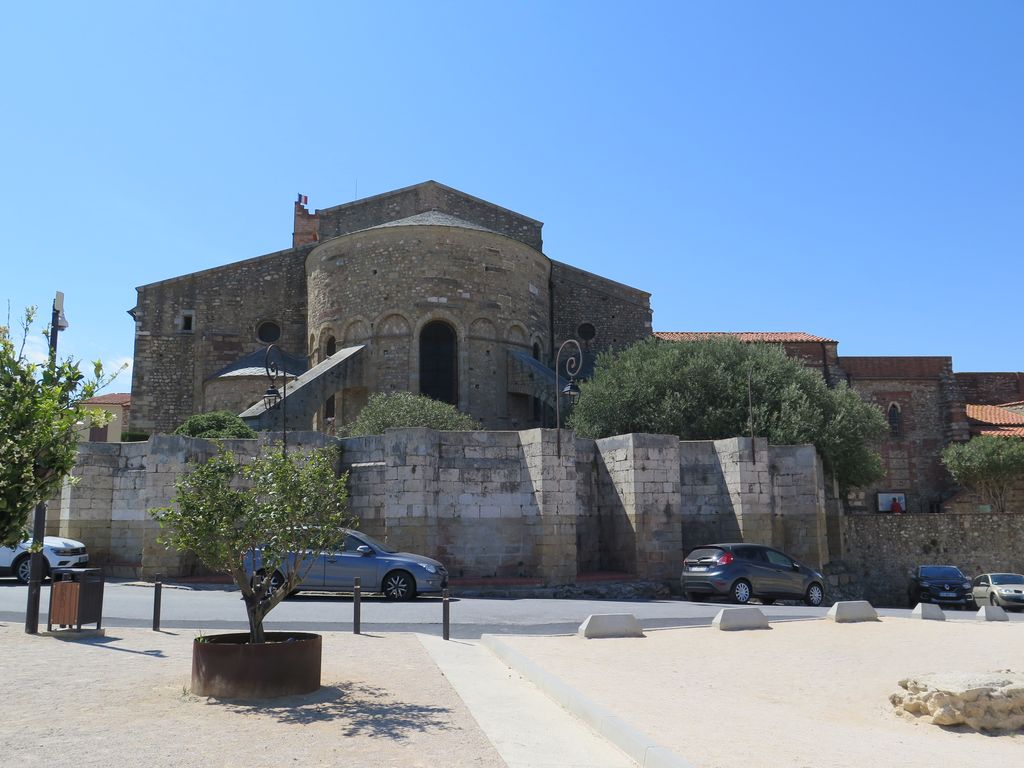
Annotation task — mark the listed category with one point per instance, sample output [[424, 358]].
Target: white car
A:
[[58, 551]]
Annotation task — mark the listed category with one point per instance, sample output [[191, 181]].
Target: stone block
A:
[[748, 617], [991, 613], [851, 611], [928, 611]]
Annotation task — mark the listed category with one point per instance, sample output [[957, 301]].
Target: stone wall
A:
[[175, 355], [881, 551], [492, 504], [422, 198]]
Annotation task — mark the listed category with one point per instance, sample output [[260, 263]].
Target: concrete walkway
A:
[[526, 727]]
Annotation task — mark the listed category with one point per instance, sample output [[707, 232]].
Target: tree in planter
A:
[[720, 388], [42, 407], [989, 465], [404, 409], [285, 509]]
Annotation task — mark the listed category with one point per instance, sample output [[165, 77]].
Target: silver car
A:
[[380, 568], [1002, 589], [744, 571]]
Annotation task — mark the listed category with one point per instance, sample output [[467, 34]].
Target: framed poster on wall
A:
[[891, 501]]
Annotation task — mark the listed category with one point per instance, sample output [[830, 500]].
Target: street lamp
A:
[[272, 398], [58, 323], [570, 390]]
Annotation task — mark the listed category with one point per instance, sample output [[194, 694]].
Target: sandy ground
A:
[[123, 700], [808, 693]]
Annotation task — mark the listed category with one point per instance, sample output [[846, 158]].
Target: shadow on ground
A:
[[362, 710]]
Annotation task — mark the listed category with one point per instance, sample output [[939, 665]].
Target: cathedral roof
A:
[[432, 218], [254, 364], [994, 415]]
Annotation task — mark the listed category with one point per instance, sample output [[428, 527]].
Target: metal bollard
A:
[[357, 597], [445, 614], [157, 589]]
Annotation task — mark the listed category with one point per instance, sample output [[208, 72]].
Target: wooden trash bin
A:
[[76, 597]]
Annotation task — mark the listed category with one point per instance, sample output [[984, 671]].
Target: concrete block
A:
[[748, 617], [928, 611], [850, 611], [610, 625], [992, 613]]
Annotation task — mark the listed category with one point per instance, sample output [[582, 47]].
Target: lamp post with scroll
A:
[[572, 366], [272, 398]]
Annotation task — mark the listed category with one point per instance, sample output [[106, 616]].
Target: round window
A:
[[268, 332], [586, 331]]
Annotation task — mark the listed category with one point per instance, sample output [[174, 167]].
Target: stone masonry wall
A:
[[881, 551], [227, 304], [490, 504]]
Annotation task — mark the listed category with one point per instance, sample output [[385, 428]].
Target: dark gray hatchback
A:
[[743, 571]]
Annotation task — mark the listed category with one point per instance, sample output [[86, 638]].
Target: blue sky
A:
[[852, 170]]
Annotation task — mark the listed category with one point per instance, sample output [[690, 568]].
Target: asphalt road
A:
[[130, 604]]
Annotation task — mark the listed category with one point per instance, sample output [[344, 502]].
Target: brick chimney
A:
[[306, 226]]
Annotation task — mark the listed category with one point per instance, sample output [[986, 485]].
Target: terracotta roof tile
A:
[[115, 398], [764, 337], [994, 415], [1001, 432]]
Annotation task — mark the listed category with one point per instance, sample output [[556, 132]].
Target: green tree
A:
[[699, 391], [404, 409], [257, 520], [213, 425], [38, 426], [989, 465]]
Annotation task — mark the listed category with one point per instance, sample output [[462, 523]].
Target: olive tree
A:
[[989, 465], [259, 520], [39, 419], [719, 388]]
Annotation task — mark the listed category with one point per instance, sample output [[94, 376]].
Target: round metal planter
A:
[[230, 667]]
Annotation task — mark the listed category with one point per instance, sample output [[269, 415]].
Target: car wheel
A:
[[815, 595], [741, 592], [399, 585], [993, 600], [23, 569]]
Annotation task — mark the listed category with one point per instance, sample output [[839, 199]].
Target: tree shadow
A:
[[359, 709]]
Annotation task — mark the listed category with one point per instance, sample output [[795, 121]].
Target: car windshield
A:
[[704, 553], [941, 572], [1007, 578], [376, 544]]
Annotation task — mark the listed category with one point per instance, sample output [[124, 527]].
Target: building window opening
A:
[[330, 347], [895, 421], [439, 363], [188, 321], [268, 332]]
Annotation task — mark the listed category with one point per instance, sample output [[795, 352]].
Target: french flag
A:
[[303, 199]]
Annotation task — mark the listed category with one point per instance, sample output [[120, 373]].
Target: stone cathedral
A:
[[424, 289]]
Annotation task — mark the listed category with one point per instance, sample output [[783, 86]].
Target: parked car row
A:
[[948, 585]]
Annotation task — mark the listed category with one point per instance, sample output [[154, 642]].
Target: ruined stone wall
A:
[[881, 551], [190, 327], [421, 198]]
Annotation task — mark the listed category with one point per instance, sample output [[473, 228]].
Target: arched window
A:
[[895, 417], [439, 362], [330, 347]]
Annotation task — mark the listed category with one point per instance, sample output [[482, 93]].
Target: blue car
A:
[[396, 575]]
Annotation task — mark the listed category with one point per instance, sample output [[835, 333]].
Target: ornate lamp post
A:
[[570, 390], [58, 323], [272, 398]]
